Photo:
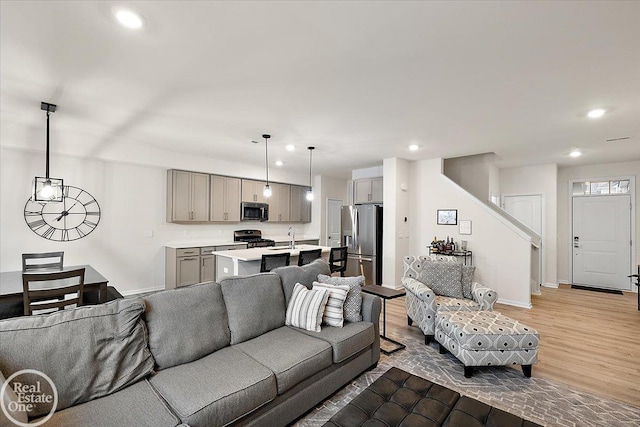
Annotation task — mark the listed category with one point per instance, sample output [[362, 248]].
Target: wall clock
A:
[[74, 218]]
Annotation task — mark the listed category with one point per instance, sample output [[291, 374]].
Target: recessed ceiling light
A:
[[291, 147], [575, 153], [596, 114], [129, 19], [413, 147], [279, 163]]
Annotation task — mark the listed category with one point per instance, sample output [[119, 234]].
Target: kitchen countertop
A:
[[255, 254], [201, 244]]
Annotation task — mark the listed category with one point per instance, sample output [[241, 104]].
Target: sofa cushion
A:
[[290, 354], [136, 405], [444, 278], [467, 280], [306, 307], [306, 275], [255, 305], [353, 303], [346, 341], [217, 389], [334, 310], [96, 349], [171, 316]]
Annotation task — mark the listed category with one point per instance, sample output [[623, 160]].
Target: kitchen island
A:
[[247, 261]]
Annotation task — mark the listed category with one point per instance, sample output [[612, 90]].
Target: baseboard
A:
[[141, 291], [550, 285], [514, 303]]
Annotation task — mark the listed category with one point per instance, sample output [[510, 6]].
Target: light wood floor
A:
[[588, 340]]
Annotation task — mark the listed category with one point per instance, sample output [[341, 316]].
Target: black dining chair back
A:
[[271, 261], [305, 257], [42, 261], [40, 296], [338, 260]]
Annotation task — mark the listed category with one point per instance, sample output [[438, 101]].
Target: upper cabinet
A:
[[252, 191], [300, 206], [187, 196], [279, 203], [225, 199], [367, 190]]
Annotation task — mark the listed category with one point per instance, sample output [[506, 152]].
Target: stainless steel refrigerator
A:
[[361, 231]]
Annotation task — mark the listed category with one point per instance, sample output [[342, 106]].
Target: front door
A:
[[601, 243]]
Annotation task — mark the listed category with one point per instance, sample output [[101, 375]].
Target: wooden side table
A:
[[385, 293]]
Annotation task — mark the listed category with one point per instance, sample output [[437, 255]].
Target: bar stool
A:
[[338, 260], [271, 261], [305, 257]]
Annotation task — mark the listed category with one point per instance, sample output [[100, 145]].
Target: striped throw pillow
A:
[[306, 307], [333, 312]]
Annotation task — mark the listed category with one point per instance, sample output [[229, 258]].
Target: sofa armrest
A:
[[484, 296], [7, 397], [419, 290], [370, 309]]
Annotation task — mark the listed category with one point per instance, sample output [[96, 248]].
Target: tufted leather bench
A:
[[399, 398]]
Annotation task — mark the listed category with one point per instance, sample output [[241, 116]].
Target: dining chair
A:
[[338, 260], [42, 261], [39, 296], [305, 257], [271, 261]]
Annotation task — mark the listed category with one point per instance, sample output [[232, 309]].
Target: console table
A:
[[464, 254], [385, 293]]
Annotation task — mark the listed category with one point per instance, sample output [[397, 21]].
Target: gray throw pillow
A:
[[353, 303], [186, 324], [305, 275], [88, 352], [467, 280], [443, 277]]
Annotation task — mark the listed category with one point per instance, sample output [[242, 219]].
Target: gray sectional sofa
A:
[[208, 355]]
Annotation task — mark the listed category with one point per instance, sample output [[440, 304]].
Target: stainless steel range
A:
[[253, 238]]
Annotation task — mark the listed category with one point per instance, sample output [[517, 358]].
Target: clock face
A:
[[75, 217]]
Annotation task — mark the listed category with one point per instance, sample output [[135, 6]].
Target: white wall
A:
[[501, 252], [132, 201], [373, 172], [542, 180], [477, 173], [396, 231], [565, 174]]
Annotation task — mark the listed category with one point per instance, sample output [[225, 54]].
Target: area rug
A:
[[539, 400]]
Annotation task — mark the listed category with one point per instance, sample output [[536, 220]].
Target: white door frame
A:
[[327, 214], [543, 249], [632, 192]]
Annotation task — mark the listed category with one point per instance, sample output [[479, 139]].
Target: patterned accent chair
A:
[[436, 283]]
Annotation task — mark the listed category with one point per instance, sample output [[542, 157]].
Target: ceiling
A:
[[360, 81]]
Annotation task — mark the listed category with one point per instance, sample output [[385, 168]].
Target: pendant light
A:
[[267, 188], [310, 190], [47, 189]]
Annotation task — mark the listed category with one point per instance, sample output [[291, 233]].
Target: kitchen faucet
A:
[[292, 233]]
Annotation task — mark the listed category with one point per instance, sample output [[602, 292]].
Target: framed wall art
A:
[[465, 226], [447, 216]]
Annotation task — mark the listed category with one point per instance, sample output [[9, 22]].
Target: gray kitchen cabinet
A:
[[187, 196], [280, 203], [368, 190], [300, 206], [252, 191], [224, 202], [187, 264], [207, 268]]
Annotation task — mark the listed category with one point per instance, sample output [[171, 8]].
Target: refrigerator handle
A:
[[355, 230]]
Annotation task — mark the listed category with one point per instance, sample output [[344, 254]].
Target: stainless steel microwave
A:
[[251, 211]]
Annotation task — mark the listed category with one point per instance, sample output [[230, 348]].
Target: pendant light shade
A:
[[310, 190], [47, 189], [267, 188]]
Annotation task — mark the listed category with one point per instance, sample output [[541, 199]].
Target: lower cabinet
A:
[[188, 266]]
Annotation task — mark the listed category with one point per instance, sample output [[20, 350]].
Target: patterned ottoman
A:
[[486, 338]]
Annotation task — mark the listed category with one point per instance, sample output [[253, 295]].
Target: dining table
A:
[[11, 289]]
